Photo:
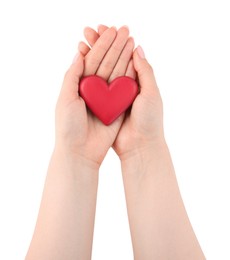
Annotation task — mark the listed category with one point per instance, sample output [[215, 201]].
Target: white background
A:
[[187, 42]]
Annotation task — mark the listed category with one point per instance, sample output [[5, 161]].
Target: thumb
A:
[[72, 77], [144, 72]]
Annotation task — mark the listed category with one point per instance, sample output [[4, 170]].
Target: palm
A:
[[130, 129], [93, 137], [141, 122], [96, 138]]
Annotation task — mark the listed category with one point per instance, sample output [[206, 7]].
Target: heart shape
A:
[[108, 101]]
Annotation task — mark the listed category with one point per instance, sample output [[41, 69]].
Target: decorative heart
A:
[[108, 101]]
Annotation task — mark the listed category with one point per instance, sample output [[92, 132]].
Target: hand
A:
[[78, 131], [143, 125], [150, 184]]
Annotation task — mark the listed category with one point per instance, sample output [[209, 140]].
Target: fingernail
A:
[[131, 39], [126, 26], [114, 27], [99, 25], [75, 58], [140, 52]]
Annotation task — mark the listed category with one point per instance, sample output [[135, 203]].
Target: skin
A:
[[64, 228], [160, 228], [76, 126], [159, 225]]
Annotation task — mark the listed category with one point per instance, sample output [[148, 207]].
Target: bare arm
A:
[[65, 223], [64, 229], [159, 224], [160, 227]]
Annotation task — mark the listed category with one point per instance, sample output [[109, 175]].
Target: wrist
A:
[[142, 150], [75, 158], [139, 158]]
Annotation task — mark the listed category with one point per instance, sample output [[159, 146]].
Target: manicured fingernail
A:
[[140, 52], [76, 57]]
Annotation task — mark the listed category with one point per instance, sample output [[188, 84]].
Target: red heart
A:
[[108, 102]]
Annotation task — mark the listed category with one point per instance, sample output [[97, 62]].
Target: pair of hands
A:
[[111, 54]]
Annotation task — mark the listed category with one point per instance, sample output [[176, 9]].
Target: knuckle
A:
[[117, 74], [116, 48], [93, 61], [71, 77], [147, 69], [103, 47], [108, 64]]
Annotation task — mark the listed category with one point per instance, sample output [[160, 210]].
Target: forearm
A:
[[64, 228], [160, 227]]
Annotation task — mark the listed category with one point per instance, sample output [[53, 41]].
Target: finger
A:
[[107, 65], [123, 61], [83, 48], [72, 77], [144, 72], [91, 35], [94, 58], [101, 29], [130, 72]]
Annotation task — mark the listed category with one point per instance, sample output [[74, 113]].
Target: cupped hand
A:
[[143, 124], [78, 131]]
